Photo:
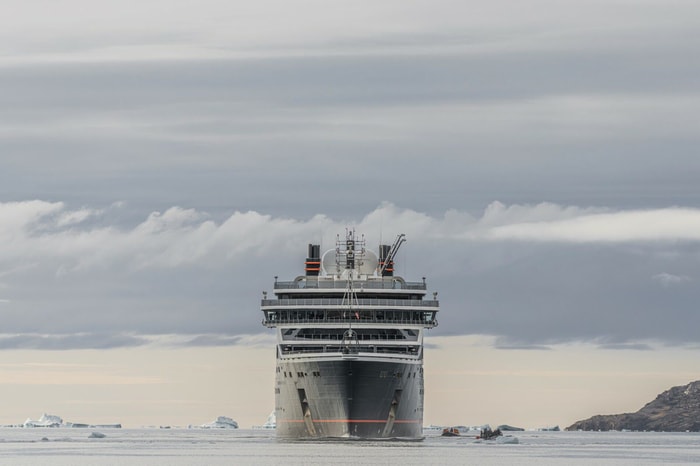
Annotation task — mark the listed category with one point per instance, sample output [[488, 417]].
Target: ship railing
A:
[[412, 350], [360, 337], [341, 302], [343, 284], [273, 322]]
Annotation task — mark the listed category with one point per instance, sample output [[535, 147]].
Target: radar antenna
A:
[[392, 252]]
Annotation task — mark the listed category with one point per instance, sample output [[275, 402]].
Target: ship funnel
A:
[[386, 269], [313, 261], [387, 254]]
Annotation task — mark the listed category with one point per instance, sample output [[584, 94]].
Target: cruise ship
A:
[[350, 345]]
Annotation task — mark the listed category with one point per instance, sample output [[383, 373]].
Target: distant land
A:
[[675, 410]]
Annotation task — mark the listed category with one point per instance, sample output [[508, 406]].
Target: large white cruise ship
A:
[[350, 345]]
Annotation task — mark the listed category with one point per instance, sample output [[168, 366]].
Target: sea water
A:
[[66, 446]]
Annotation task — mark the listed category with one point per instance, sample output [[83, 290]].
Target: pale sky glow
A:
[[467, 381], [161, 162]]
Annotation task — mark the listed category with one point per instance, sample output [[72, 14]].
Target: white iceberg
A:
[[508, 439], [50, 420], [222, 422], [46, 420], [270, 423]]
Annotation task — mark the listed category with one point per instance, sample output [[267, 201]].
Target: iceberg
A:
[[46, 420], [222, 422], [270, 423], [50, 420], [506, 427], [508, 440]]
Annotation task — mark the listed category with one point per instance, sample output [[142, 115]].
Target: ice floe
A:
[[222, 422], [51, 420]]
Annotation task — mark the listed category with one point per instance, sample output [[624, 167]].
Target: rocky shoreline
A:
[[675, 410]]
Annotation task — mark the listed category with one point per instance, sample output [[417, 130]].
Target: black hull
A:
[[349, 398]]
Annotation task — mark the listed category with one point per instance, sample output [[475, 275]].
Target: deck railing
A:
[[351, 349], [343, 284], [375, 337], [275, 320], [357, 302]]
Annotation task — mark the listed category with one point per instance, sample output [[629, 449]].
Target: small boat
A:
[[488, 434], [450, 432]]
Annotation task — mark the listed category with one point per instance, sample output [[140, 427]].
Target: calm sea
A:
[[63, 447]]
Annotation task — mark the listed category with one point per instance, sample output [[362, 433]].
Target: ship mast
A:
[[353, 261]]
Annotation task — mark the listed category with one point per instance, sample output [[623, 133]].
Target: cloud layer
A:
[[285, 109], [231, 134], [530, 275]]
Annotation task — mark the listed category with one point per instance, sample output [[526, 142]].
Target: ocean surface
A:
[[66, 446]]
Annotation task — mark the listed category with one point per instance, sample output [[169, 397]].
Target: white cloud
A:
[[667, 279], [552, 223], [74, 217], [195, 279], [34, 231], [18, 217]]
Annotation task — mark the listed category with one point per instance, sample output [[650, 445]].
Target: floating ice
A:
[[508, 439], [222, 422], [46, 420], [50, 420], [270, 423]]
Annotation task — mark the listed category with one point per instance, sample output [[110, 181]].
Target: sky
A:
[[161, 162]]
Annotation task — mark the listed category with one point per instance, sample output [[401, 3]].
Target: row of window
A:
[[300, 374], [358, 334]]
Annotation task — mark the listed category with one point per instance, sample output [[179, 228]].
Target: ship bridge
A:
[[350, 285]]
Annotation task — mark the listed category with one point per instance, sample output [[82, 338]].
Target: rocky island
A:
[[675, 410]]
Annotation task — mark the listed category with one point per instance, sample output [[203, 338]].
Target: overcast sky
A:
[[162, 162]]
